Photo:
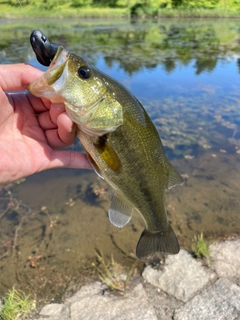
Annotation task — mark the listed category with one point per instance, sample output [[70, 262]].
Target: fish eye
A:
[[84, 72]]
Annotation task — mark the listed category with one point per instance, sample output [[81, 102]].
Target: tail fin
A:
[[151, 243]]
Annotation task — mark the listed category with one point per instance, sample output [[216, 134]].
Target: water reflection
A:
[[186, 74], [133, 45]]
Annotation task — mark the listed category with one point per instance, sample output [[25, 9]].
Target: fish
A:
[[122, 145]]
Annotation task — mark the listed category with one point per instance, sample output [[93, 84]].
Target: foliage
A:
[[143, 6], [149, 7], [80, 3], [119, 8], [233, 4], [16, 305], [200, 247]]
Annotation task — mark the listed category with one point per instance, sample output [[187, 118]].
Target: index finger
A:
[[16, 77]]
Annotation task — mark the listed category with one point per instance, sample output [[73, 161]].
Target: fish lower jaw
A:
[[93, 132]]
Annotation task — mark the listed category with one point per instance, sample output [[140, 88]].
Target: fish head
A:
[[71, 80]]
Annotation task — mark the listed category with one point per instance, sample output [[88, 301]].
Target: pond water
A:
[[186, 74]]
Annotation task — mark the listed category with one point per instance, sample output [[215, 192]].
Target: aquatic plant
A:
[[200, 247], [112, 274], [17, 305]]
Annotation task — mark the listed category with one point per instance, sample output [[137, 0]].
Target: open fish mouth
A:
[[60, 58], [52, 81]]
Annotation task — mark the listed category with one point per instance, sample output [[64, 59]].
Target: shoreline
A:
[[120, 17], [116, 13], [178, 287], [181, 287]]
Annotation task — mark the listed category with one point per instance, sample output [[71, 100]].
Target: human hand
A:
[[32, 129]]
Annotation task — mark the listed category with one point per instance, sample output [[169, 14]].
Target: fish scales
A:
[[132, 160], [139, 168]]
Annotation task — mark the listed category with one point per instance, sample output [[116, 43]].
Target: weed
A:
[[200, 247], [16, 305], [112, 274]]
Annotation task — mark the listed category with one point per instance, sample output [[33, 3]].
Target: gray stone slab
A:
[[163, 304], [131, 306], [225, 258], [55, 311], [220, 301], [182, 276], [95, 288]]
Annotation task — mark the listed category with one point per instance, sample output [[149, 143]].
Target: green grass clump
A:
[[16, 305], [200, 247]]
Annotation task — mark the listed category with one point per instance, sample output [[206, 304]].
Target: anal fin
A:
[[120, 212], [158, 242], [174, 177]]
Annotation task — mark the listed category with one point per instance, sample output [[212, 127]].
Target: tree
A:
[[176, 3]]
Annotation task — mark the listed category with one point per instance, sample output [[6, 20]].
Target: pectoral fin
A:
[[95, 166], [120, 212], [108, 154]]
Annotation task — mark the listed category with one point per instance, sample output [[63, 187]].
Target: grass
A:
[[65, 11], [200, 247], [16, 305], [112, 274]]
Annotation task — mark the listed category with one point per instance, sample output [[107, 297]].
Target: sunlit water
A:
[[186, 74]]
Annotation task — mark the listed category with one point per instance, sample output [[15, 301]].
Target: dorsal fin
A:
[[120, 212]]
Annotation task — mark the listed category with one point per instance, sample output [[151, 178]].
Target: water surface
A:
[[186, 74]]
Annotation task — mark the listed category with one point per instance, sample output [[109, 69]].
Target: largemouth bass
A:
[[121, 142]]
